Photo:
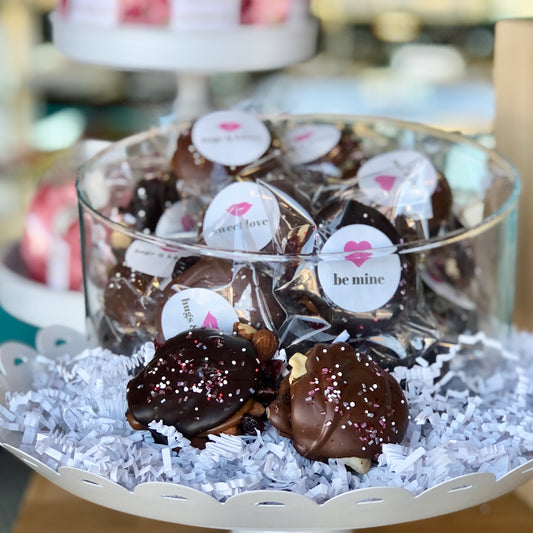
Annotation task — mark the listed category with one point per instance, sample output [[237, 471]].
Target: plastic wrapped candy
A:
[[216, 293], [357, 290], [258, 216], [217, 147], [365, 229]]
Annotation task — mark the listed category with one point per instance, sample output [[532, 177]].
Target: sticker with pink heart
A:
[[210, 321], [359, 270], [358, 257], [385, 182], [195, 308], [230, 137], [381, 177], [310, 142]]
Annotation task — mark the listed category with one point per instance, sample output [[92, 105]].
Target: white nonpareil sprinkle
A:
[[470, 411]]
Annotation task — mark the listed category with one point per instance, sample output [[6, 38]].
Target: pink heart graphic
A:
[[303, 136], [358, 258], [385, 182], [229, 126], [210, 321], [239, 209]]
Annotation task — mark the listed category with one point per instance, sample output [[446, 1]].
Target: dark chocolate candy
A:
[[303, 284], [441, 221], [441, 203], [259, 216], [196, 381], [112, 337], [342, 212], [344, 405], [192, 167], [151, 196]]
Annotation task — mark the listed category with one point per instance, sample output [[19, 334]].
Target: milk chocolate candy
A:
[[198, 381], [217, 147], [216, 292], [321, 152], [338, 403]]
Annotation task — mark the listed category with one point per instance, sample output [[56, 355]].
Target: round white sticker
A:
[[150, 259], [405, 179], [196, 308], [242, 216], [361, 282], [231, 138], [310, 142]]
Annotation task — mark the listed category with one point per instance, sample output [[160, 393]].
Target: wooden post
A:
[[513, 129], [513, 83]]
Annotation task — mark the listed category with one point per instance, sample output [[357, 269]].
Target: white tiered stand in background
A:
[[193, 54]]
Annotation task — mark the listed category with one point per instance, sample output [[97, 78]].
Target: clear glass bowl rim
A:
[[410, 247]]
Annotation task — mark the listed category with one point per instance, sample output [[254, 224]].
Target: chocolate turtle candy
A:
[[197, 381], [338, 403]]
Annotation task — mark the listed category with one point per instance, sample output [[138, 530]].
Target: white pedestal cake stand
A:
[[47, 307], [193, 54], [264, 509]]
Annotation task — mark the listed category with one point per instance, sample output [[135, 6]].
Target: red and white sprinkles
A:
[[470, 411]]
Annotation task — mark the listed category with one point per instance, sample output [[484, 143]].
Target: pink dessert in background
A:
[[265, 11], [153, 12], [50, 245]]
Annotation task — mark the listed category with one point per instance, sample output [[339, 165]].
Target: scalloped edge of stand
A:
[[245, 48], [281, 510], [361, 508]]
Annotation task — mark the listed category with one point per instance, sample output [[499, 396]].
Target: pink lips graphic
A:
[[358, 258], [385, 182], [188, 222], [303, 136], [210, 321], [229, 126], [239, 209]]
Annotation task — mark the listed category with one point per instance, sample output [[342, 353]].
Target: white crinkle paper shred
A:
[[471, 411]]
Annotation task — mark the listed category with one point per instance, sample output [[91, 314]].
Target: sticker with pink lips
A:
[[368, 276], [196, 308], [248, 224], [309, 142], [229, 126], [239, 209], [381, 177], [232, 138]]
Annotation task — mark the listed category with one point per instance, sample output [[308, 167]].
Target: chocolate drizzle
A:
[[344, 405]]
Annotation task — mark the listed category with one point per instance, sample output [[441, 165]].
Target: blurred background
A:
[[418, 60], [428, 62]]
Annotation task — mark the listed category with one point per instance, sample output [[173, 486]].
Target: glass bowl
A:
[[299, 240]]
